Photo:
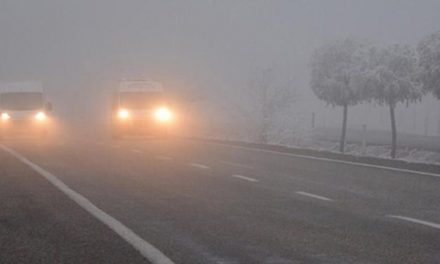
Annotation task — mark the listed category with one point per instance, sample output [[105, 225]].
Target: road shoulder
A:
[[38, 224]]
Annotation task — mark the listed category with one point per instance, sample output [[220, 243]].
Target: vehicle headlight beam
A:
[[163, 114], [40, 116], [5, 116], [123, 114]]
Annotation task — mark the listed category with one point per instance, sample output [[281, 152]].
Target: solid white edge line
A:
[[330, 160], [198, 165], [136, 151], [244, 178], [315, 196], [146, 249], [414, 220]]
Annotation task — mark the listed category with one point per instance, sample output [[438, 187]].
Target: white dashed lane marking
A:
[[199, 166], [315, 196], [244, 178], [416, 221]]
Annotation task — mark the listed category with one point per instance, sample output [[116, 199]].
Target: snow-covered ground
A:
[[380, 151], [414, 148], [306, 140]]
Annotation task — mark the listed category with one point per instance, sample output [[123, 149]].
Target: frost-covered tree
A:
[[335, 70], [429, 61], [391, 79]]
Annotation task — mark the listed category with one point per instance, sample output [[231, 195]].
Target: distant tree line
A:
[[348, 72]]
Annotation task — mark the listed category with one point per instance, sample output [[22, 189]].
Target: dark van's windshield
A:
[[21, 101]]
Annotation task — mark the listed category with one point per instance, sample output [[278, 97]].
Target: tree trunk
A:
[[344, 129], [393, 131]]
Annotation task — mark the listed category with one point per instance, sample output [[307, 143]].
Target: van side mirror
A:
[[49, 107]]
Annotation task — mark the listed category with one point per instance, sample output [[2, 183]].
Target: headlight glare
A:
[[5, 116], [163, 114], [40, 116], [123, 114]]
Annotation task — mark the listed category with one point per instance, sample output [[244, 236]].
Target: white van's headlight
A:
[[5, 116]]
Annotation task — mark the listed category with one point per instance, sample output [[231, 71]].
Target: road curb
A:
[[395, 164]]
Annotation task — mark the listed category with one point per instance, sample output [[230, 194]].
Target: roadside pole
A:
[[364, 139]]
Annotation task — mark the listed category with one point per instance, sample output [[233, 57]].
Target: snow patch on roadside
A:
[[379, 151]]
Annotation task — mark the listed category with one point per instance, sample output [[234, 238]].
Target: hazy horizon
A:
[[210, 48]]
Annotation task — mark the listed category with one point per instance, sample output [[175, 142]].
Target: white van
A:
[[23, 109]]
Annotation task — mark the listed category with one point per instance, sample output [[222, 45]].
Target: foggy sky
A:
[[207, 46]]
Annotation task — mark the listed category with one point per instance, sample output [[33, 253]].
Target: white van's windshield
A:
[[21, 101]]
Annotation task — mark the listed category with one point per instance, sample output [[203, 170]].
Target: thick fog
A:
[[210, 55]]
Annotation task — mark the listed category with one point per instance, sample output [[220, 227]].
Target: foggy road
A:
[[220, 132], [201, 202]]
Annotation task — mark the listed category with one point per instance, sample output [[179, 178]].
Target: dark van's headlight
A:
[[163, 115], [40, 116]]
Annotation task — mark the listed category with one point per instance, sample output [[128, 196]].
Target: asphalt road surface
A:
[[179, 201]]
